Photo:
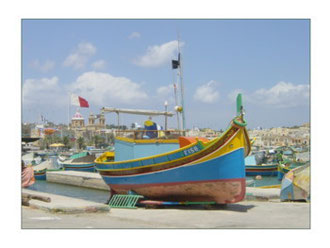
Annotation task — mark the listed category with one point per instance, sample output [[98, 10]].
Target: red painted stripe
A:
[[123, 186]]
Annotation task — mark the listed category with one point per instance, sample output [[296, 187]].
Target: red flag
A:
[[79, 101], [83, 103]]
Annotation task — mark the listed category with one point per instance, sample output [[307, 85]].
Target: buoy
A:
[[259, 177], [178, 108]]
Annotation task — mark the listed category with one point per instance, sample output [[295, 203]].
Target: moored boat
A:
[[40, 170], [40, 174], [201, 171], [284, 168], [262, 170], [261, 163], [79, 162], [83, 161], [295, 184]]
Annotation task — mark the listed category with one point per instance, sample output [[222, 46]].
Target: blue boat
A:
[[211, 171]]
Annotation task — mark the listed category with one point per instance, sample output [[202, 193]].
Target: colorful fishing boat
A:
[[201, 171], [40, 174], [262, 170], [79, 162]]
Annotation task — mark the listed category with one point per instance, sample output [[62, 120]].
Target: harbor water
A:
[[264, 181]]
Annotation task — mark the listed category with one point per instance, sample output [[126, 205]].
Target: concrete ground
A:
[[246, 214]]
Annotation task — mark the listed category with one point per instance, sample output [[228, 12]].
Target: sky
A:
[[127, 64]]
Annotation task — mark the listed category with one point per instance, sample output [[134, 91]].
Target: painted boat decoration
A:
[[79, 162], [202, 171]]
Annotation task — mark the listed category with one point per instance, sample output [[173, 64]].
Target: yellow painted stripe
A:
[[277, 186], [235, 143]]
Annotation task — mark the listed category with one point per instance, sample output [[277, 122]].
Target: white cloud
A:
[[134, 35], [43, 67], [158, 55], [104, 89], [80, 56], [165, 90], [281, 95], [207, 93], [99, 65], [166, 93], [44, 91]]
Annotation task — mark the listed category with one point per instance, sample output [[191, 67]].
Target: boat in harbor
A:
[[287, 166], [200, 171], [255, 167], [262, 170], [79, 162], [40, 174], [83, 161], [40, 170], [296, 184]]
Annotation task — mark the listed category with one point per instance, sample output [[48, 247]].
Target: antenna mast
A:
[[181, 87]]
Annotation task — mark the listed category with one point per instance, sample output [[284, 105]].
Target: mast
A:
[[69, 110], [176, 100], [182, 87]]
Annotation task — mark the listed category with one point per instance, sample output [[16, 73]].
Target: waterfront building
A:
[[95, 122], [297, 136]]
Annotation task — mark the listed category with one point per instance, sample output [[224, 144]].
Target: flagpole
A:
[[182, 88], [69, 110], [176, 100]]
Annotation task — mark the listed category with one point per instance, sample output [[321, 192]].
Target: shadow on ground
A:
[[226, 207]]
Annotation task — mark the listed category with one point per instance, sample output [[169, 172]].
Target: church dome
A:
[[77, 116]]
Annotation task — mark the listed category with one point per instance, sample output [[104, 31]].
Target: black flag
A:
[[176, 63]]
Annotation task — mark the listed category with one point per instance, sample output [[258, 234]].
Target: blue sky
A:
[[127, 64]]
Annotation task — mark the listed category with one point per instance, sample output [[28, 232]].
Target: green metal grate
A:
[[124, 201]]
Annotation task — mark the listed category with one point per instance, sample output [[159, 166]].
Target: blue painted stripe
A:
[[40, 177], [229, 166], [174, 156]]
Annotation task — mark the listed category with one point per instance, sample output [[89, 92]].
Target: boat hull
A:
[[220, 191], [80, 167], [255, 170], [221, 179], [88, 167], [40, 175]]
